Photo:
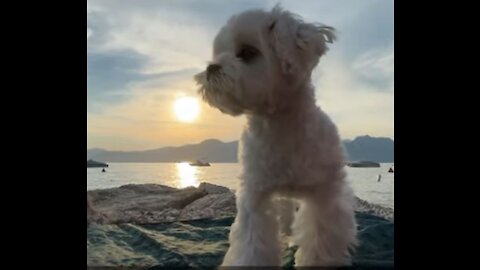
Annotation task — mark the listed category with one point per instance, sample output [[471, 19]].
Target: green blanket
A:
[[203, 243]]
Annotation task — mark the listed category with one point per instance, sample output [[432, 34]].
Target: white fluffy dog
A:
[[261, 67]]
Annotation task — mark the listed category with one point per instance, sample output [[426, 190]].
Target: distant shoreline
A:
[[376, 149]]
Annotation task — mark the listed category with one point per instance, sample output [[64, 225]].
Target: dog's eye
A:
[[248, 53]]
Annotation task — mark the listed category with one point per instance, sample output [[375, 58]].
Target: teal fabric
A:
[[203, 243]]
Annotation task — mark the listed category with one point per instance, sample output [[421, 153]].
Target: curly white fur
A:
[[262, 64]]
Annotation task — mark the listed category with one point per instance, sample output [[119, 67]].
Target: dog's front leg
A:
[[325, 229], [254, 235]]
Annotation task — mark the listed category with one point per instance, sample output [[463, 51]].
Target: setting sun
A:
[[186, 109]]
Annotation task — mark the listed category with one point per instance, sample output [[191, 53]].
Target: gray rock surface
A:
[[142, 204], [147, 204], [213, 189], [211, 206], [377, 210]]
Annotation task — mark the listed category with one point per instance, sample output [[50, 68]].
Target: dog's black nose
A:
[[212, 69]]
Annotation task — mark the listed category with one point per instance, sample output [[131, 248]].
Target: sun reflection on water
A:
[[187, 175]]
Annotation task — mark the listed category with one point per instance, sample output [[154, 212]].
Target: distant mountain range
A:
[[211, 150], [361, 148], [368, 148]]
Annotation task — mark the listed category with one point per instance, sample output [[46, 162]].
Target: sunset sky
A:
[[142, 55]]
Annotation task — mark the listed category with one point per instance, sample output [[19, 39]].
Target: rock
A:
[[144, 204], [366, 207], [211, 206], [93, 216], [141, 204], [213, 189], [157, 226]]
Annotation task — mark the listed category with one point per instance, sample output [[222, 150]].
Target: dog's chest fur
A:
[[291, 150]]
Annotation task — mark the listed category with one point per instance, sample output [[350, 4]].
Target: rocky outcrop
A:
[[141, 204], [93, 216], [197, 225], [377, 210], [147, 204], [213, 189], [217, 205]]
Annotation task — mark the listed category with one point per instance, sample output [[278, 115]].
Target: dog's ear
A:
[[315, 37], [297, 45]]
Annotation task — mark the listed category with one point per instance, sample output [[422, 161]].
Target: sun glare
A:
[[187, 175], [186, 109]]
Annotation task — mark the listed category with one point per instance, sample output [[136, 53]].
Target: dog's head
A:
[[259, 58]]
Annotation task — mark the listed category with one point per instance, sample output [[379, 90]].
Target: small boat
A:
[[199, 163], [364, 164], [96, 164]]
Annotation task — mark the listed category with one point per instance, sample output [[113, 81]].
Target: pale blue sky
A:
[[141, 56]]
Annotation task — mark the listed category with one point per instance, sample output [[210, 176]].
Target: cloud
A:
[[110, 74], [117, 76], [359, 96], [376, 67]]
